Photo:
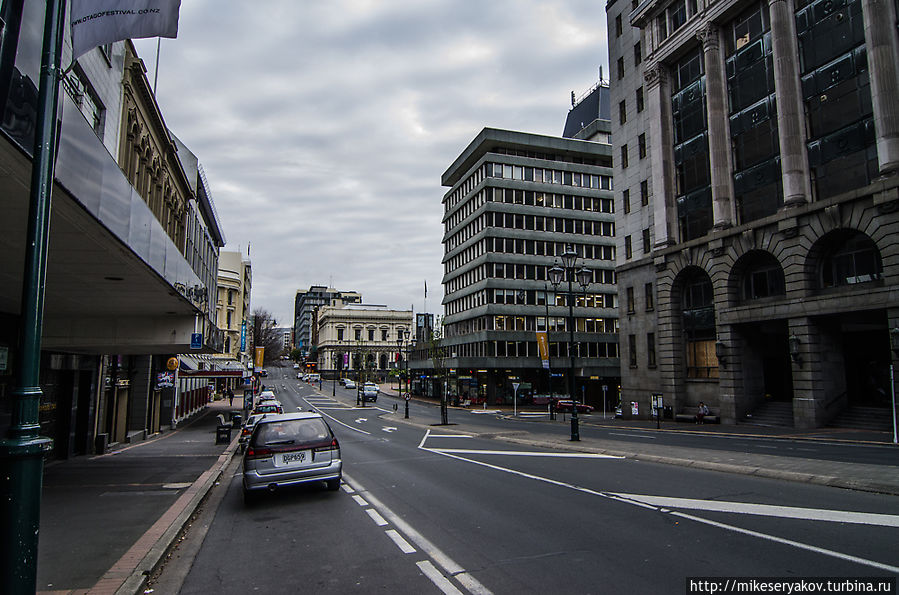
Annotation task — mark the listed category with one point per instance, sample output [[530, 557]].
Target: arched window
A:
[[699, 325], [762, 276], [850, 258], [383, 362]]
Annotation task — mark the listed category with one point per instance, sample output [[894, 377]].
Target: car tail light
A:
[[333, 446], [255, 452], [245, 432]]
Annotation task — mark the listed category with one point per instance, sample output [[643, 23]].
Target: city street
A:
[[426, 508]]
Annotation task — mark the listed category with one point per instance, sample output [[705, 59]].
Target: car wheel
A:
[[333, 484]]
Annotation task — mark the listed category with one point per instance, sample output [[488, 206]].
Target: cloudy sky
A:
[[324, 126]]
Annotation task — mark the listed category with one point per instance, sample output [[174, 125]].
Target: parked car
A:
[[314, 378], [247, 429], [290, 449], [370, 392], [268, 406], [296, 366], [565, 405]]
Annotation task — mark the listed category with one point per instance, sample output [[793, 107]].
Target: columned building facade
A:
[[235, 281], [771, 137], [515, 202], [360, 340]]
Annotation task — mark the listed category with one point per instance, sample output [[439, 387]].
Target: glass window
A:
[[853, 259]]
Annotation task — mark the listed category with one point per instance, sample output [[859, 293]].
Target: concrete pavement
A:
[[108, 520]]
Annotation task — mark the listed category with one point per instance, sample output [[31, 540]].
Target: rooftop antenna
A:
[[573, 100]]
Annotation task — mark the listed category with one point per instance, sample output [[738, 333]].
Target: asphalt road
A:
[[425, 509]]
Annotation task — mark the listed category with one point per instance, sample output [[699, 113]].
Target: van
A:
[[314, 378]]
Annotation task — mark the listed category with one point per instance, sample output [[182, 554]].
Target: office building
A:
[[515, 202], [756, 146]]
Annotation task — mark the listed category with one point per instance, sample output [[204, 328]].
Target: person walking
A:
[[230, 396]]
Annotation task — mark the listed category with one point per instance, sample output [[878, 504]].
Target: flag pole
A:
[[156, 69], [22, 451]]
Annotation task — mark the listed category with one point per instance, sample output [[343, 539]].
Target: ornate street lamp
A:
[[583, 276]]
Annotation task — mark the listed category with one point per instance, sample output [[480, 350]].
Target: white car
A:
[[349, 383], [370, 392], [296, 366]]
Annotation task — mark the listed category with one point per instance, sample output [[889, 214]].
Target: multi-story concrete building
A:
[[235, 282], [516, 200], [305, 304], [359, 338], [762, 139]]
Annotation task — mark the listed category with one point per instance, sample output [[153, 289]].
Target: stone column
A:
[[658, 107], [790, 110], [883, 66], [719, 129]]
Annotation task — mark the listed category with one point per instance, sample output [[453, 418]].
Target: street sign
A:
[[196, 340]]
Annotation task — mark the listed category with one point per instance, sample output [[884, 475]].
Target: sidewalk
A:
[[107, 520], [865, 477]]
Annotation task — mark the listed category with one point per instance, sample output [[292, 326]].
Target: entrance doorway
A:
[[866, 354], [767, 372]]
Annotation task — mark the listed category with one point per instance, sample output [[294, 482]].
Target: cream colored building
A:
[[360, 337], [232, 309]]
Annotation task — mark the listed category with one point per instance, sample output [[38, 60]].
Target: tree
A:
[[296, 355], [266, 334]]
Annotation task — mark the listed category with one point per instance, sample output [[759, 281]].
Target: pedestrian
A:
[[701, 412], [230, 394]]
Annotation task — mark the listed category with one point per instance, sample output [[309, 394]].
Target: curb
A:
[[182, 510]]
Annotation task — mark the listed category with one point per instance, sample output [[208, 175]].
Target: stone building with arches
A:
[[762, 139]]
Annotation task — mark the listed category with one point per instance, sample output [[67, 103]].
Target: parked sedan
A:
[[247, 429], [565, 405], [290, 449]]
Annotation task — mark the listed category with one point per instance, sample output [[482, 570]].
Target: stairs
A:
[[875, 419], [771, 414]]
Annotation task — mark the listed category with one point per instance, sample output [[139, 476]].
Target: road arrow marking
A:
[[389, 429], [361, 420]]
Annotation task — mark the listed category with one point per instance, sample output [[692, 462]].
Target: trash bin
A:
[[102, 443], [223, 434], [668, 412], [236, 420]]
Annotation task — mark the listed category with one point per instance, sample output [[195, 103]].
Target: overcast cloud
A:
[[324, 127]]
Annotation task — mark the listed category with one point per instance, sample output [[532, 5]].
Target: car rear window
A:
[[299, 431]]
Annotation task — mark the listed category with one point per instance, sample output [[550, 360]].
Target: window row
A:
[[515, 271], [529, 349], [548, 176]]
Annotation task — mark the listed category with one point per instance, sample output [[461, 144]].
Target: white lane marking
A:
[[331, 417], [450, 435], [347, 489], [633, 435], [796, 544], [360, 500], [515, 453], [447, 563], [438, 579], [376, 517], [787, 512], [611, 496], [360, 420], [401, 543], [389, 429]]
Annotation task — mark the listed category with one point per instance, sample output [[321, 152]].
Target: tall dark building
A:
[[756, 148]]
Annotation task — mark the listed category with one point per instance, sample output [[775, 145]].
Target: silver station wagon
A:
[[290, 449]]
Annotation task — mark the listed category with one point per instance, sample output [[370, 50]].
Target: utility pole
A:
[[22, 451]]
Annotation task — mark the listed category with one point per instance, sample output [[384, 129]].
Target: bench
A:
[[689, 416]]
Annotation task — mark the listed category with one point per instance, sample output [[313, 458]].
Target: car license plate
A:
[[294, 459]]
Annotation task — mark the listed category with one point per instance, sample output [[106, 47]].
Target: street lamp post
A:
[[584, 276]]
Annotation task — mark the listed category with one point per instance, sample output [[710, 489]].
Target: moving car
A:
[[349, 383], [370, 392], [290, 449], [314, 378], [565, 405]]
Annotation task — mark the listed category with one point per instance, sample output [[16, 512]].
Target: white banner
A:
[[98, 22]]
